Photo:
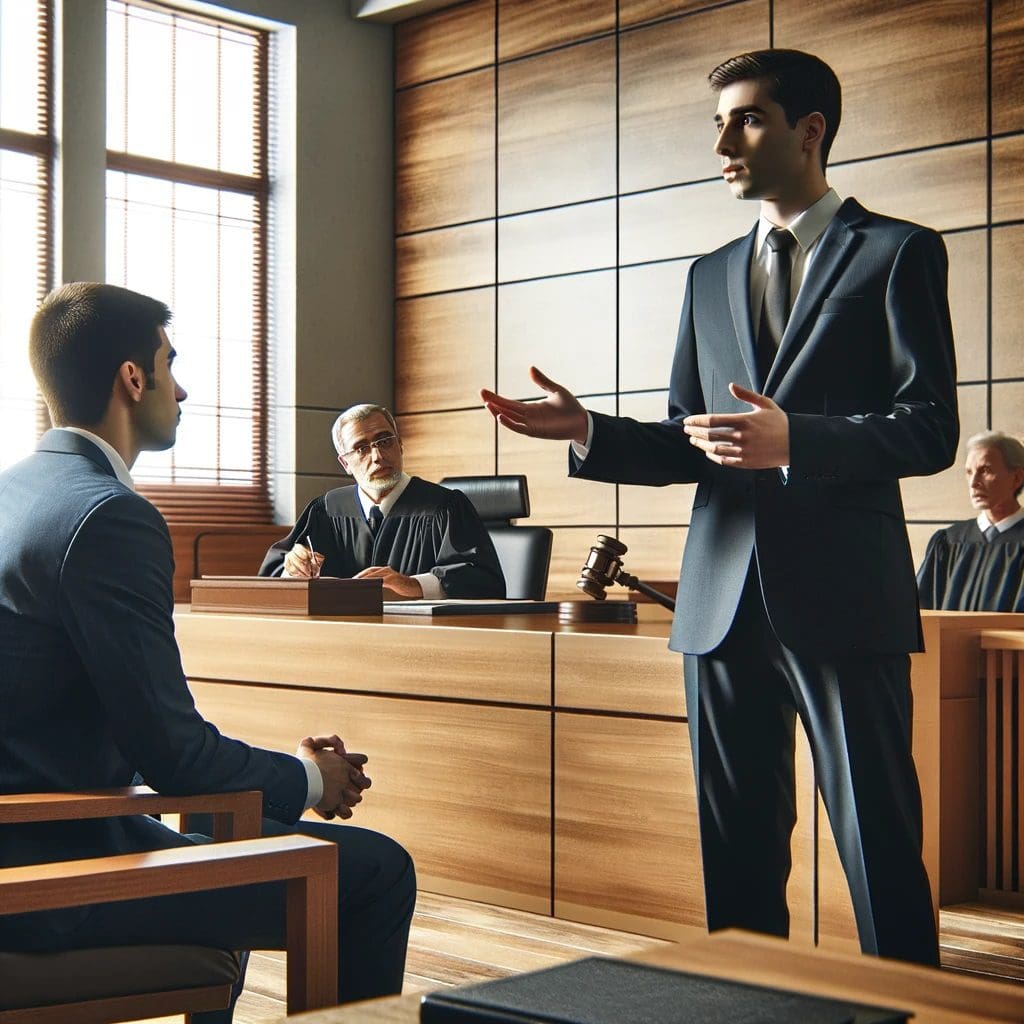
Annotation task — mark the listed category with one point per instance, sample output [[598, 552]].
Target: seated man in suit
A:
[[91, 680], [421, 539], [978, 565]]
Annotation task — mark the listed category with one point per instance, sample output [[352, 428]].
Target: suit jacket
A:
[[91, 682], [865, 372]]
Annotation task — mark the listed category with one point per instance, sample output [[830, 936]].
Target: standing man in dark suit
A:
[[813, 369], [91, 681]]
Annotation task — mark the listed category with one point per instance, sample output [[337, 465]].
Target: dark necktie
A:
[[375, 518], [991, 532], [775, 308]]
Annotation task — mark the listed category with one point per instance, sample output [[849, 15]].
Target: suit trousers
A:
[[376, 898], [742, 700]]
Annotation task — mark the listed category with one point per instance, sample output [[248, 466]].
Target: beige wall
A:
[[554, 179]]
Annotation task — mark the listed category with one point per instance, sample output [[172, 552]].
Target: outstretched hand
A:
[[758, 439], [559, 416]]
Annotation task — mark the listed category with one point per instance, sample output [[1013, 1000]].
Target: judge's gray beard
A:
[[381, 485]]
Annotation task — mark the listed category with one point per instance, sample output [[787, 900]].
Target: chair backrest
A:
[[523, 551]]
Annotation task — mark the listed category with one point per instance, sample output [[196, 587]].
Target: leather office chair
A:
[[131, 983], [523, 551]]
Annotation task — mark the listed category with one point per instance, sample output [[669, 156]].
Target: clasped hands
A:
[[758, 439], [342, 774]]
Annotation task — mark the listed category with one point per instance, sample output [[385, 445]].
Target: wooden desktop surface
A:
[[934, 997]]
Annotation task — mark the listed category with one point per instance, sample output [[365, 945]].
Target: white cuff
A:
[[314, 783], [581, 451], [431, 586]]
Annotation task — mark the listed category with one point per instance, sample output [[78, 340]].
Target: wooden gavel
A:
[[603, 567]]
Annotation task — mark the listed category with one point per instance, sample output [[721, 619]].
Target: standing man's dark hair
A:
[[79, 337], [799, 82]]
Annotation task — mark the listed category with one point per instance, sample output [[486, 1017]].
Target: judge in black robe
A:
[[430, 530], [418, 538], [962, 571], [978, 565]]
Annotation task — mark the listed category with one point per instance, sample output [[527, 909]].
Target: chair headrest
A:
[[497, 499]]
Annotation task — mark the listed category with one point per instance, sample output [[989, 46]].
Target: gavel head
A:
[[603, 562]]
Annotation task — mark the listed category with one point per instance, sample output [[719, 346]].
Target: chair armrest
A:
[[307, 865], [236, 815]]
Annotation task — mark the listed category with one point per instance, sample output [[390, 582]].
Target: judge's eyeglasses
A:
[[362, 451]]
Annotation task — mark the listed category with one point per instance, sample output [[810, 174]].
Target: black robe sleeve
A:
[[964, 572], [273, 561], [466, 562]]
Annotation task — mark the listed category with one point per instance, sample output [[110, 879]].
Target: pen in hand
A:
[[314, 568]]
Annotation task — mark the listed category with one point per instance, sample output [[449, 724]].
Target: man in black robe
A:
[[421, 539], [978, 565]]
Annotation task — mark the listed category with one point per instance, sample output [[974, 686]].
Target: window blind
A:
[[187, 202]]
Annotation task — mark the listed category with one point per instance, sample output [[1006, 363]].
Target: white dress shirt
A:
[[1003, 525]]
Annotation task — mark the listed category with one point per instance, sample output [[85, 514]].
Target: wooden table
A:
[[935, 997], [547, 768]]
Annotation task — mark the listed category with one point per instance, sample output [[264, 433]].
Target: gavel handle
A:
[[628, 580]]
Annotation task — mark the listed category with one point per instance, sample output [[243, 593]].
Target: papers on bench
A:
[[456, 606]]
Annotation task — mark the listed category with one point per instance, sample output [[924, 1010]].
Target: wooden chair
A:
[[128, 983]]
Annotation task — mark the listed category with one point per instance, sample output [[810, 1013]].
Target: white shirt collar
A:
[[388, 501], [806, 227], [1003, 525], [117, 464]]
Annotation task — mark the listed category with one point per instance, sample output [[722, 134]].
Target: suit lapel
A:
[[835, 249], [739, 302]]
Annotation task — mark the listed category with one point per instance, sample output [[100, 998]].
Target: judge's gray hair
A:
[[1009, 447], [353, 414]]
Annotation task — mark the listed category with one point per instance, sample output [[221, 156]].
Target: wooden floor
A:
[[454, 942]]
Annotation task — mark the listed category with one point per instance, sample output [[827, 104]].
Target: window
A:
[[26, 190], [187, 194]]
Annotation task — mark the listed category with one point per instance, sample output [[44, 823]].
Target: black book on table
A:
[[597, 990]]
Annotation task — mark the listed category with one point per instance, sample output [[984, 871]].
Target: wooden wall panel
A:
[[569, 551], [1008, 408], [437, 261], [444, 166], [1007, 174], [589, 674], [666, 133], [444, 42], [655, 553], [943, 189], [943, 497], [602, 818], [444, 350], [341, 654], [650, 298], [564, 325], [893, 60], [440, 444], [560, 241], [526, 26], [453, 829], [635, 12], [638, 505], [1007, 302], [556, 128], [968, 305], [1007, 61], [686, 221], [555, 498]]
